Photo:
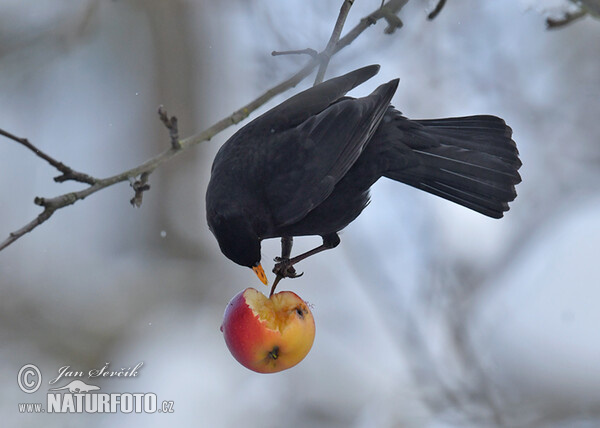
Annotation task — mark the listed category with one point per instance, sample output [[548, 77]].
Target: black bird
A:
[[305, 167]]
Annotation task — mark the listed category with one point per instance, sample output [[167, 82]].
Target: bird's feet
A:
[[285, 269]]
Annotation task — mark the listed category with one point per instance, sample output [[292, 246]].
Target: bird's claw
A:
[[285, 269]]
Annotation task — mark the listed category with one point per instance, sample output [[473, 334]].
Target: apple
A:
[[265, 334]]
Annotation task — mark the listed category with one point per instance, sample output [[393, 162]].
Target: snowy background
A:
[[428, 315]]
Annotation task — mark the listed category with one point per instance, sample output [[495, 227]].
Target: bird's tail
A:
[[471, 161]]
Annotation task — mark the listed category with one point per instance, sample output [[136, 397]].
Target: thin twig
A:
[[51, 205], [13, 236], [552, 23], [391, 7], [335, 37], [308, 51], [171, 124], [436, 11], [278, 278], [67, 172]]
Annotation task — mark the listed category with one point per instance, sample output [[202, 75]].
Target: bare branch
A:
[[436, 11], [308, 51], [13, 236], [552, 23], [178, 146], [392, 7], [335, 37], [171, 124], [67, 172], [393, 22]]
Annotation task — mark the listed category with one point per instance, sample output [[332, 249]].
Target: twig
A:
[[552, 23], [67, 172], [393, 22], [392, 7], [13, 236], [140, 186], [51, 205], [436, 11], [308, 51], [171, 124], [335, 37]]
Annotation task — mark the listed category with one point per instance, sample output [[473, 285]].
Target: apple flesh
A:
[[268, 335]]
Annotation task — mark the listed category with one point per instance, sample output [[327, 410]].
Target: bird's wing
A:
[[287, 115], [307, 161], [295, 110]]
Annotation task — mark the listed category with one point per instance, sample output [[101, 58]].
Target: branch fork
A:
[[138, 176]]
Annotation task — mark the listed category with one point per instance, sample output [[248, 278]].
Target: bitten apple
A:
[[268, 335]]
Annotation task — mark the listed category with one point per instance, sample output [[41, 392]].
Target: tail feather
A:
[[471, 161], [490, 208], [485, 134]]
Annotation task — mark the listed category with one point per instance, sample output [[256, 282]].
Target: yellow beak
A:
[[258, 270]]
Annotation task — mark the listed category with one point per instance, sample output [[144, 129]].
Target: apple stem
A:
[[277, 279]]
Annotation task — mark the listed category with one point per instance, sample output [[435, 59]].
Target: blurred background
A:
[[428, 315]]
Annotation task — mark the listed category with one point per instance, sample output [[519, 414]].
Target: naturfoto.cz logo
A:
[[78, 396]]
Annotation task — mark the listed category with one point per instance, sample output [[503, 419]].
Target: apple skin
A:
[[268, 335]]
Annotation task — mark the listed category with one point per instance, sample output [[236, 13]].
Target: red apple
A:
[[268, 335]]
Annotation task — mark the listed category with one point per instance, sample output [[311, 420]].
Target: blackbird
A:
[[305, 167]]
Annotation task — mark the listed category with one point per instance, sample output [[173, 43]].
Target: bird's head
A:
[[239, 242]]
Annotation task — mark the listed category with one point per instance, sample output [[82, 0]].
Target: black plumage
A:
[[305, 167]]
